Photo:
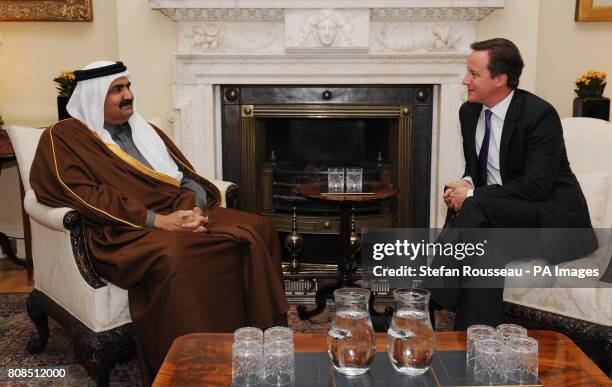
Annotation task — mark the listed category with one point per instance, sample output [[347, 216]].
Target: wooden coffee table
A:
[[206, 358]]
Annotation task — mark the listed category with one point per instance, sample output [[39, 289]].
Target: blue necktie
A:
[[484, 151]]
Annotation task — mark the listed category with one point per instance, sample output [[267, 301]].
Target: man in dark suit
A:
[[517, 173]]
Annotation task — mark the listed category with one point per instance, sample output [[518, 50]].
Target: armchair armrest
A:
[[64, 219], [229, 193], [50, 217]]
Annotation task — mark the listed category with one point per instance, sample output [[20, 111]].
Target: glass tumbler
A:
[[278, 334], [475, 333], [335, 180], [491, 361], [247, 363], [410, 338], [508, 331], [249, 334], [351, 342], [279, 363], [279, 358], [354, 180], [523, 360]]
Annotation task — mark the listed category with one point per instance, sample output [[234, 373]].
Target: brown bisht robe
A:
[[178, 282]]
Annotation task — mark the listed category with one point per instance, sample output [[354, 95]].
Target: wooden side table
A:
[[4, 241], [346, 266]]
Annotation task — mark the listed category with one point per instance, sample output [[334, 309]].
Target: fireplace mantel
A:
[[221, 42], [313, 4]]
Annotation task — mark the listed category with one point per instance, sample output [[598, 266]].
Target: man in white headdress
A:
[[143, 207]]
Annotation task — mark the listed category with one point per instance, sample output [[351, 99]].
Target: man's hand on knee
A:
[[181, 220], [455, 193], [198, 222]]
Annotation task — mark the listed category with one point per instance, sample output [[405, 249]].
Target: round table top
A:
[[317, 191]]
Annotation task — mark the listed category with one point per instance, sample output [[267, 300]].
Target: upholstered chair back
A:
[[589, 150]]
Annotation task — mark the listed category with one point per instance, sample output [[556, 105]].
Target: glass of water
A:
[[410, 338], [351, 342], [335, 180], [354, 180]]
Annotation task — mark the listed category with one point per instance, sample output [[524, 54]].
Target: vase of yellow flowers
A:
[[590, 101], [65, 85]]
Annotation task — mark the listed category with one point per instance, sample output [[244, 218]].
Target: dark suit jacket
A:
[[533, 163]]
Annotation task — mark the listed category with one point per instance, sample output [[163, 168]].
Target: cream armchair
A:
[[585, 313], [93, 312]]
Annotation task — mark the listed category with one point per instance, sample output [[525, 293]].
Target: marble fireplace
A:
[[274, 43]]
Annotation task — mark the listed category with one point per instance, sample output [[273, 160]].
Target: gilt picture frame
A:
[[46, 10], [593, 11]]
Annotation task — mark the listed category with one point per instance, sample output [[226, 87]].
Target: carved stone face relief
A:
[[325, 28], [327, 31]]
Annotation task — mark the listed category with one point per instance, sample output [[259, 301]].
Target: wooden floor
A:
[[13, 278]]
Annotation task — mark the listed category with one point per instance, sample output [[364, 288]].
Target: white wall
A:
[[566, 50], [31, 55], [517, 21], [146, 41]]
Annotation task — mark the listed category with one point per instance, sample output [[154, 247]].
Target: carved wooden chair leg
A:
[[38, 314], [100, 352], [98, 361]]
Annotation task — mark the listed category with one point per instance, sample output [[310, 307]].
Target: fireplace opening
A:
[[301, 150], [325, 141], [277, 137]]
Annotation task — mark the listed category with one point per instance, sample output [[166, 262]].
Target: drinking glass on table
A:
[[279, 359], [475, 333], [335, 180], [491, 361], [247, 357], [278, 334], [249, 334], [508, 331], [523, 360], [354, 180]]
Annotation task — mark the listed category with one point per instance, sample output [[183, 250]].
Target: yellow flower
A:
[[66, 74]]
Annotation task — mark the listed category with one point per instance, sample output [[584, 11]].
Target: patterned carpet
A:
[[16, 328]]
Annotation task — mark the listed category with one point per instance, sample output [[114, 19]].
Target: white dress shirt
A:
[[497, 124]]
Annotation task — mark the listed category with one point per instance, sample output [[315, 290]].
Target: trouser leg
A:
[[478, 305]]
